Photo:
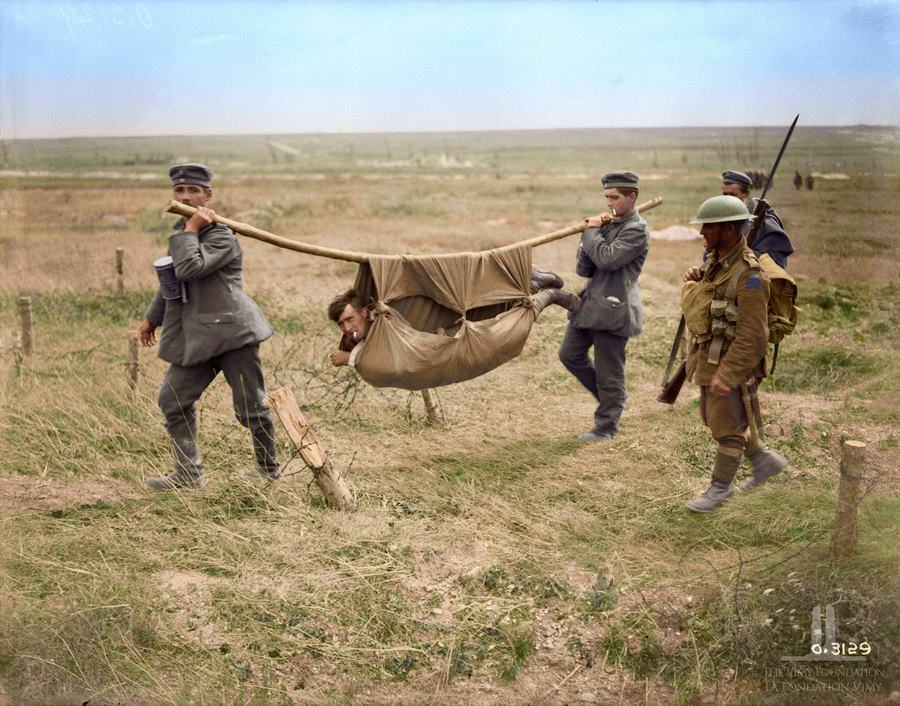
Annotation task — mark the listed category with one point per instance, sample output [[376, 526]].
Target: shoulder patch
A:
[[753, 281]]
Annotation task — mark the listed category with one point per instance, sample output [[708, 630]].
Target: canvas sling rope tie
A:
[[360, 257]]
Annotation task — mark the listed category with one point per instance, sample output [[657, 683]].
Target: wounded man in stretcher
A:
[[354, 317]]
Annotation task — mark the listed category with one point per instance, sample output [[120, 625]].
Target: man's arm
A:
[[195, 259], [583, 265], [615, 254]]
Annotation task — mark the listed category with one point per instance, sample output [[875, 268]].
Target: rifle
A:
[[672, 386], [759, 213]]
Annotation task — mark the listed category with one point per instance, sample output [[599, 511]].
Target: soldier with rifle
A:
[[771, 237], [725, 305]]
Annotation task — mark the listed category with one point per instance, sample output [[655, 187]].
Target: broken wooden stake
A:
[[327, 477], [120, 270], [25, 316], [843, 540], [432, 415], [134, 362]]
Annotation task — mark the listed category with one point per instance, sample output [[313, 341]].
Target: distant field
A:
[[491, 560]]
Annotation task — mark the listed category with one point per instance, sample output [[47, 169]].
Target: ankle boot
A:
[[264, 450], [542, 279], [724, 470], [188, 471], [765, 464]]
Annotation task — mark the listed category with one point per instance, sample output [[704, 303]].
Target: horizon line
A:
[[450, 132]]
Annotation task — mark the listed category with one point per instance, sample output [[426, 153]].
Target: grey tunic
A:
[[217, 315], [612, 257]]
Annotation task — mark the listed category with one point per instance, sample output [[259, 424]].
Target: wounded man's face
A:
[[353, 323]]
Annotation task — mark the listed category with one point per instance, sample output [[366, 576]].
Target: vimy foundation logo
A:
[[825, 645], [822, 670]]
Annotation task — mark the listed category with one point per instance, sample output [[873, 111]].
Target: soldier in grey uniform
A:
[[611, 254], [209, 326], [771, 237]]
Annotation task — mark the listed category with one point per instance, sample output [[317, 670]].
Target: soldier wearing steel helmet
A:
[[771, 238], [725, 307]]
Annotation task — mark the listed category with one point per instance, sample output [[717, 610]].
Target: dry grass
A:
[[475, 568]]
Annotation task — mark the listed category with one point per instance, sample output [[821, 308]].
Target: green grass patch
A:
[[80, 307], [822, 369], [513, 462]]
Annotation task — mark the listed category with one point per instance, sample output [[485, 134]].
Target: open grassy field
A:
[[492, 559]]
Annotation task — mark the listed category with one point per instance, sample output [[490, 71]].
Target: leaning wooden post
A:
[[134, 362], [120, 270], [432, 416], [25, 315], [853, 458], [327, 477]]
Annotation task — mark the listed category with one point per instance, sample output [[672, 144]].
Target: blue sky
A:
[[156, 68]]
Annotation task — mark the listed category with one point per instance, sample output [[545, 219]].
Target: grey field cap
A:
[[625, 180], [732, 176], [721, 209], [198, 174]]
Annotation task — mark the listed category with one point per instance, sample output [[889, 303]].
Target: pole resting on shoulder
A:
[[186, 211]]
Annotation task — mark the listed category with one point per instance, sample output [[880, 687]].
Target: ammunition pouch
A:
[[695, 303]]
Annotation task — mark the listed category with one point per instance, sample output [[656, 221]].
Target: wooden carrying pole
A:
[[853, 459], [327, 477], [350, 256]]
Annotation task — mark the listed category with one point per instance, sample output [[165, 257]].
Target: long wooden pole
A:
[[350, 256]]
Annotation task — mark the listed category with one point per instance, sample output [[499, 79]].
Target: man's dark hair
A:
[[339, 303], [626, 191]]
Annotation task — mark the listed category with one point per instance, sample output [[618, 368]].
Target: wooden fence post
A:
[[134, 362], [25, 315], [843, 540], [120, 270], [432, 416], [327, 477]]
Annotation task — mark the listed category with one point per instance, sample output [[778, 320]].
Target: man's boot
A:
[[188, 471], [263, 432], [560, 297], [765, 464], [726, 466], [541, 279]]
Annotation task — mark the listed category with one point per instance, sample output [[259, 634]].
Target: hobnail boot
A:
[[764, 464], [542, 279], [177, 479], [711, 498]]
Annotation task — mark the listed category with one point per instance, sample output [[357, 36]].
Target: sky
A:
[[256, 67]]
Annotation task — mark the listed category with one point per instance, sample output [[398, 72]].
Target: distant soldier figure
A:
[[798, 180], [209, 325], [771, 237], [810, 182], [725, 307]]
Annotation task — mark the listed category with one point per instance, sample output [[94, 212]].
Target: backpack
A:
[[783, 309]]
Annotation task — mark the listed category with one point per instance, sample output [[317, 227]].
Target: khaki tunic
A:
[[741, 359]]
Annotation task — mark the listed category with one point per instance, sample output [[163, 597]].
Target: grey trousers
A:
[[182, 386], [604, 377]]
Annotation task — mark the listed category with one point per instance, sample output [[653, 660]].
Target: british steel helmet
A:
[[720, 209]]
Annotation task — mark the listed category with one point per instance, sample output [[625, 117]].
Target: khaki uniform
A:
[[726, 313]]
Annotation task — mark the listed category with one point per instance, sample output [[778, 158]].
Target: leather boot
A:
[[765, 464], [561, 297], [724, 470], [542, 279], [263, 432], [188, 471]]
